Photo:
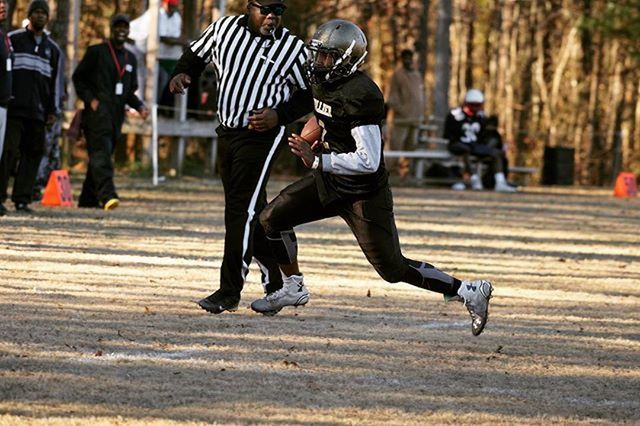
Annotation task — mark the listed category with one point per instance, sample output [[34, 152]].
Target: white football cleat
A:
[[475, 295], [292, 293]]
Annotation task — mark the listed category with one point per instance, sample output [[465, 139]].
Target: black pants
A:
[[23, 150], [245, 160], [98, 186], [482, 151], [372, 222]]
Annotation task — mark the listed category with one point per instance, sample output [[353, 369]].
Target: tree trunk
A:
[[60, 26], [508, 106], [443, 61], [614, 136], [11, 8], [458, 54], [189, 18], [524, 140], [468, 69], [423, 35], [492, 55], [503, 54], [582, 129], [593, 144]]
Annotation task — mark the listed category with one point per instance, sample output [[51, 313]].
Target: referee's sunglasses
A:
[[276, 9]]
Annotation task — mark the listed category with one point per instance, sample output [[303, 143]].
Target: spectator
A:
[[406, 100], [51, 159], [6, 64], [32, 107], [349, 180], [261, 88], [465, 128], [106, 81], [169, 49]]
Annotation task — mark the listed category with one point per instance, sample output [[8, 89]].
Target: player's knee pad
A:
[[284, 245]]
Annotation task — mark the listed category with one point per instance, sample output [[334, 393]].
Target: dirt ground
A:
[[98, 323]]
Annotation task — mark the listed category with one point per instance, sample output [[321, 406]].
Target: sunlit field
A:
[[98, 321]]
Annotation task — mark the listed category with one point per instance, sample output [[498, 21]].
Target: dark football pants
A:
[[98, 186], [245, 159], [482, 151], [372, 223], [23, 148]]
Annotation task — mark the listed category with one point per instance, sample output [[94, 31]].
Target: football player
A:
[[349, 180], [466, 128]]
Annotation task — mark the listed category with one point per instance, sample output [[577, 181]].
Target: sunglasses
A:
[[276, 9]]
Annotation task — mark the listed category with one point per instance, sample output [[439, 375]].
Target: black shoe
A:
[[3, 210], [219, 302], [24, 208]]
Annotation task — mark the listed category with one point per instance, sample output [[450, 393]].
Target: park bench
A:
[[431, 149]]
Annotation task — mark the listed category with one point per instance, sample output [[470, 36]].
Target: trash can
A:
[[558, 166]]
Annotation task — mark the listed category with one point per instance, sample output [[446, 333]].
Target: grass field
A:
[[98, 323]]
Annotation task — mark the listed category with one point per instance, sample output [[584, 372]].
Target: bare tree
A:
[[442, 60]]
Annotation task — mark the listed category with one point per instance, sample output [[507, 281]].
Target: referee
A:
[[261, 88]]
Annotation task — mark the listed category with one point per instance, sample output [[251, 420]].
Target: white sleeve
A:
[[139, 27], [364, 160]]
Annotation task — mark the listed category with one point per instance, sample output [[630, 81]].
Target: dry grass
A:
[[98, 324]]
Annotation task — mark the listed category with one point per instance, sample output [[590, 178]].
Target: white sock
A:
[[500, 179]]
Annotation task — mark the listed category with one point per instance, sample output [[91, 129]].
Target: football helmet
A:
[[337, 49], [473, 96]]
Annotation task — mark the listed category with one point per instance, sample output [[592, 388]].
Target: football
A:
[[311, 131]]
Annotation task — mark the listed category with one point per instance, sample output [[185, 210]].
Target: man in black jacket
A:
[[35, 68], [6, 64], [105, 80]]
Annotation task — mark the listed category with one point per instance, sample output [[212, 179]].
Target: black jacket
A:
[[35, 69], [5, 74], [96, 77]]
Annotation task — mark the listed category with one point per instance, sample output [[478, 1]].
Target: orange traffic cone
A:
[[58, 190], [625, 185]]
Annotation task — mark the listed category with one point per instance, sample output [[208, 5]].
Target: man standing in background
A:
[[406, 99], [6, 64], [106, 81], [33, 105]]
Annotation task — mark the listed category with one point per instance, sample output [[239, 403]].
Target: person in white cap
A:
[[465, 128]]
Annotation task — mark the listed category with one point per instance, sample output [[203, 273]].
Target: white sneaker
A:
[[459, 186], [476, 183], [504, 187], [475, 296], [292, 293]]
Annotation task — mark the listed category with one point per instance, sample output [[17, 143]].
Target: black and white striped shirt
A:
[[252, 71]]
